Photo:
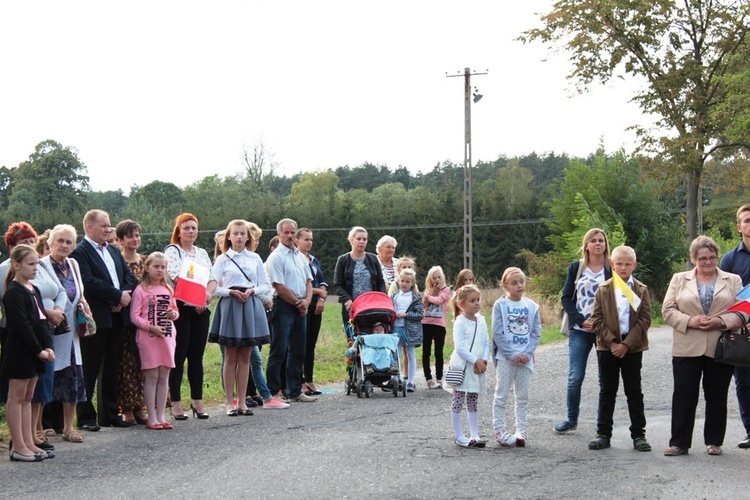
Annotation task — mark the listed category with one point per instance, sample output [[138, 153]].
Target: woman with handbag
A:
[[468, 363], [695, 306], [193, 321], [68, 385], [584, 277], [240, 323]]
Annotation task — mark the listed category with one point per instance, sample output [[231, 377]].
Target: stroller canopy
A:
[[372, 307]]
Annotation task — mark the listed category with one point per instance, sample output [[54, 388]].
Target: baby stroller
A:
[[375, 357]]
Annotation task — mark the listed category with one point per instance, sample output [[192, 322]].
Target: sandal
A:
[[674, 451], [73, 436], [640, 444], [599, 443], [712, 449]]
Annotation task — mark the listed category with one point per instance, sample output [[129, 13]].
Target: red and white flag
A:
[[191, 283], [744, 301]]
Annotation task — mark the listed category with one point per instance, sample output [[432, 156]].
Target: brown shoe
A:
[[674, 451], [713, 449]]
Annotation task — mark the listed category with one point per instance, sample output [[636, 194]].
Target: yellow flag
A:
[[625, 292]]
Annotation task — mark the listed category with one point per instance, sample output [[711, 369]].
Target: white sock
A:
[[457, 430], [473, 418]]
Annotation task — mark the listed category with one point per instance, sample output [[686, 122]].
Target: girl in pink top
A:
[[435, 300], [153, 311]]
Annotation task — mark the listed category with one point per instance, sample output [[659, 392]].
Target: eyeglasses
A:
[[706, 260]]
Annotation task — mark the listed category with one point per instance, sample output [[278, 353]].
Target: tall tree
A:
[[687, 54]]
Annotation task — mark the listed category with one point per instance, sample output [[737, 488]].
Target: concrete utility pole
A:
[[468, 238]]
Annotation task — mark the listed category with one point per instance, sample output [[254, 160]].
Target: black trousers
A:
[[610, 369], [101, 366], [313, 330], [687, 381], [190, 344]]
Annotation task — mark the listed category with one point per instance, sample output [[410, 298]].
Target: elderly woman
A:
[[356, 272], [68, 385], [54, 300], [695, 306], [193, 322], [130, 379], [386, 249]]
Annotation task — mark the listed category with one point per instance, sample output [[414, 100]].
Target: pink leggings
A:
[[458, 401]]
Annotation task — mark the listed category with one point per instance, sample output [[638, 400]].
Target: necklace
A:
[[60, 267]]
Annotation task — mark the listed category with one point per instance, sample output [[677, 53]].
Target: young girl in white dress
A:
[[472, 350]]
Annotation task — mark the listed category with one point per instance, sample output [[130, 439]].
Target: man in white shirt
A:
[[290, 275]]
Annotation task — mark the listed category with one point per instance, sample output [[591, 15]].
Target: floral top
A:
[[586, 291], [362, 282]]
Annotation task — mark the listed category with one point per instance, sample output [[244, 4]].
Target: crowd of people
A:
[[54, 360]]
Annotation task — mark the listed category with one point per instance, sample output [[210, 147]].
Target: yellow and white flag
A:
[[625, 293]]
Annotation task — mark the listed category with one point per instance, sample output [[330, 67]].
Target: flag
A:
[[625, 293], [743, 305], [191, 283]]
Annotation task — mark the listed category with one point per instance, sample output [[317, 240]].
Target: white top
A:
[[175, 254], [465, 355], [402, 301], [287, 266], [107, 258], [229, 274]]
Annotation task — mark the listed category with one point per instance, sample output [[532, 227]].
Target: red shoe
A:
[[166, 425], [155, 427]]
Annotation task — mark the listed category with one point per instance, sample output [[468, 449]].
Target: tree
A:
[[259, 163], [687, 53]]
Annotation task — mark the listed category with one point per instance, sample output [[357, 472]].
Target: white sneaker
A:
[[505, 439], [520, 438]]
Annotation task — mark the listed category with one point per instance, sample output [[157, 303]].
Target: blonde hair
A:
[[625, 251], [238, 222], [17, 256], [146, 279], [432, 272], [588, 237], [462, 295], [353, 232], [412, 276], [406, 260], [509, 272]]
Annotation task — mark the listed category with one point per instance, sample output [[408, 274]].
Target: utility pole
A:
[[468, 237]]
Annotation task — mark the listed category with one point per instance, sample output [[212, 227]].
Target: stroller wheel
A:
[[360, 387], [368, 389], [395, 386], [348, 387]]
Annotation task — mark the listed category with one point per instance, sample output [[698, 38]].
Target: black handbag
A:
[[733, 348]]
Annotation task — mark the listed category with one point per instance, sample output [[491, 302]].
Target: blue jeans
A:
[[288, 340], [742, 385], [579, 346], [256, 368]]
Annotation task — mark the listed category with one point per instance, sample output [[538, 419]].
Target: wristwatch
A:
[[723, 325]]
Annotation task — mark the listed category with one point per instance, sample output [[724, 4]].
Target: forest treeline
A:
[[529, 211]]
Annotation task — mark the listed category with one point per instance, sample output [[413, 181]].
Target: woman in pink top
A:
[[435, 300], [153, 311]]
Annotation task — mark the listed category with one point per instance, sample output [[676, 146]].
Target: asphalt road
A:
[[386, 447]]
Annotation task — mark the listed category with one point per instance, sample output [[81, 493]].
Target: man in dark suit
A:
[[107, 283]]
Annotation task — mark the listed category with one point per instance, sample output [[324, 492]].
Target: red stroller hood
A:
[[372, 304]]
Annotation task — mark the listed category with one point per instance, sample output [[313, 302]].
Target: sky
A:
[[172, 91]]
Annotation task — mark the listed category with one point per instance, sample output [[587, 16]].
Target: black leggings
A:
[[313, 329], [436, 333], [192, 333]]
